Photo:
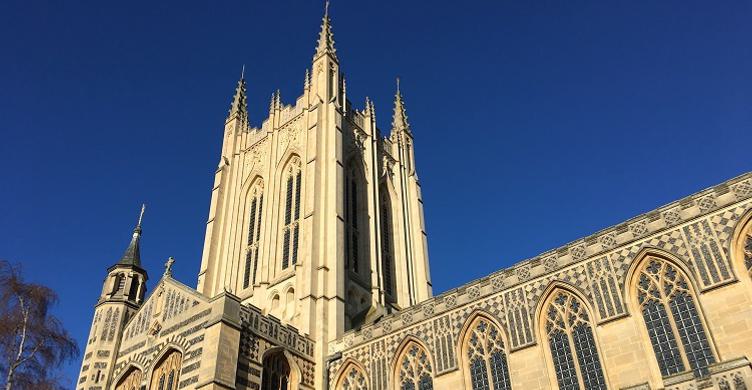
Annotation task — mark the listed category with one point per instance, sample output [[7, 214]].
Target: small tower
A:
[[122, 295]]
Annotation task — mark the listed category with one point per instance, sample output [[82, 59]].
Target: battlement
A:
[[621, 238]]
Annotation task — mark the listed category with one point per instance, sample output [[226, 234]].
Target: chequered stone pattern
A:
[[596, 266]]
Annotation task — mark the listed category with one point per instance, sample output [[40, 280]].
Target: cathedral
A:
[[315, 275]]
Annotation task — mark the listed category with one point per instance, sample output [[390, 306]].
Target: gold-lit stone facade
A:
[[315, 275]]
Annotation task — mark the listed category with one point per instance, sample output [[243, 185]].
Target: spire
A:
[[399, 120], [132, 255], [307, 82], [326, 37], [239, 105]]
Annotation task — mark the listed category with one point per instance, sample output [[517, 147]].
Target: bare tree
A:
[[33, 342]]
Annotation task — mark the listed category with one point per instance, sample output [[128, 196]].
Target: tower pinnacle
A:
[[132, 255], [326, 37], [239, 105], [399, 120]]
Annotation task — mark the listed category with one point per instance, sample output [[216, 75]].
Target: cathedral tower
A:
[[315, 217], [122, 295]]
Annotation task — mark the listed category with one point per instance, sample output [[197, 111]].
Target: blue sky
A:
[[536, 123]]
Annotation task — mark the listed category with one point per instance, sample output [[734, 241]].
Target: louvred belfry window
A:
[[674, 326], [387, 249], [570, 337], [254, 233], [291, 228], [351, 217]]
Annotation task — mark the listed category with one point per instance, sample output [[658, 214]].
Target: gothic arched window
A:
[[353, 378], [254, 232], [414, 369], [668, 307], [166, 372], [486, 357], [353, 205], [130, 381], [572, 343], [387, 245], [291, 229]]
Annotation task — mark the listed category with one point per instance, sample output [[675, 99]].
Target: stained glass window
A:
[[354, 379], [485, 354], [572, 343], [415, 370], [666, 303], [254, 233], [291, 228]]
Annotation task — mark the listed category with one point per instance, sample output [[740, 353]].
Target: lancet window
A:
[[573, 349], [486, 357], [414, 369], [291, 229], [352, 227], [387, 245], [254, 233], [674, 326]]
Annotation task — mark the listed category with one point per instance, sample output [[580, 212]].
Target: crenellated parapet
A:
[[696, 232]]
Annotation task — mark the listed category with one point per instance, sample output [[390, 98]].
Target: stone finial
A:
[[399, 120], [307, 81], [326, 37], [168, 266], [239, 105]]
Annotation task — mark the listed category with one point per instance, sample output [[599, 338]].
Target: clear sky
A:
[[536, 122]]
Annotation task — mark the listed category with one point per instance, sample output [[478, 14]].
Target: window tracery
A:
[[254, 233], [291, 229], [166, 372], [276, 374], [415, 372], [573, 348], [354, 379], [486, 354], [674, 326]]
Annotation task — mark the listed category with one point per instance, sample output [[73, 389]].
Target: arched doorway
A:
[[276, 374]]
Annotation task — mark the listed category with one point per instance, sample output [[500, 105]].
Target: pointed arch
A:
[[166, 367], [130, 378], [278, 368], [291, 181], [662, 291], [351, 376], [412, 368], [482, 347], [254, 222], [566, 327], [740, 247]]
